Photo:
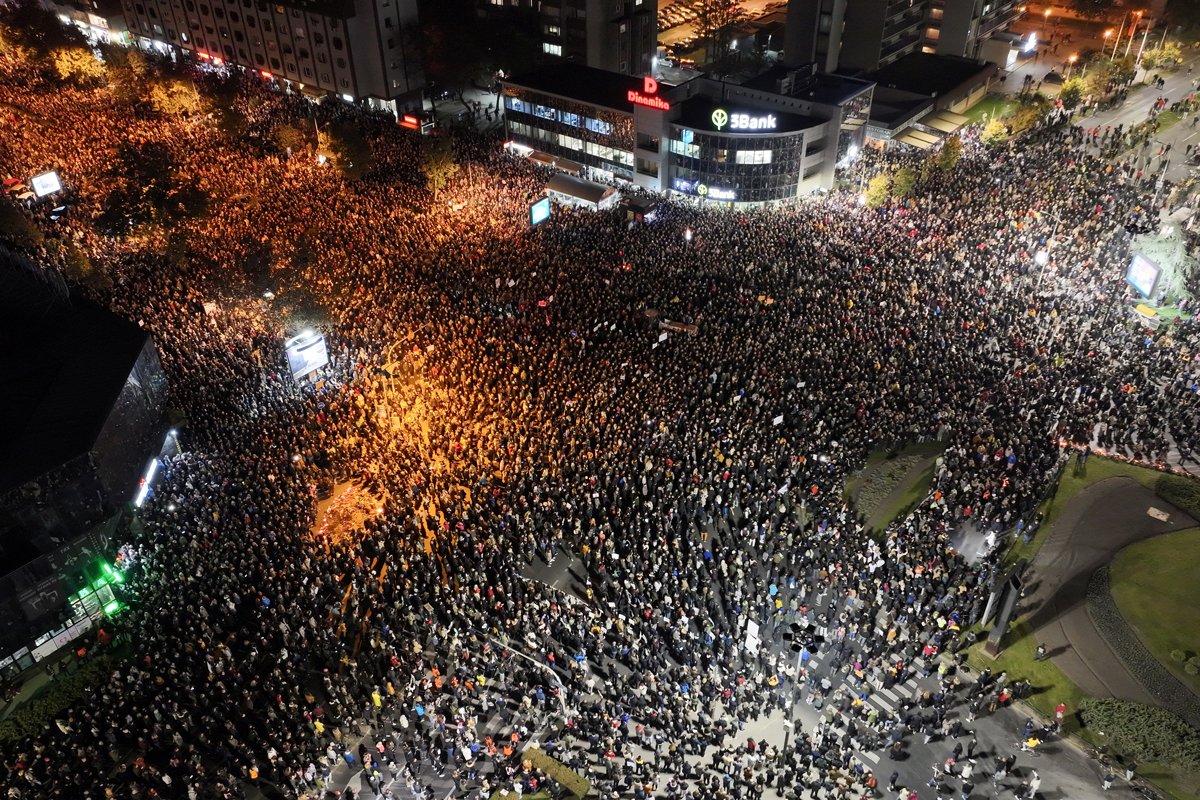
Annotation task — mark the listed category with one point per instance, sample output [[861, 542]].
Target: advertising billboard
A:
[[46, 183], [1143, 275], [539, 211], [306, 353]]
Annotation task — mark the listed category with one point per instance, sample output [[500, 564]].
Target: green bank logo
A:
[[720, 118]]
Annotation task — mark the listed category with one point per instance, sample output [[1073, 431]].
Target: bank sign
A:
[[743, 122]]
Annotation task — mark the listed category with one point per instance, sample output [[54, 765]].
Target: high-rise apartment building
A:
[[613, 35], [358, 49], [864, 35], [959, 27]]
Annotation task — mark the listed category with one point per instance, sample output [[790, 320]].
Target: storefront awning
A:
[[542, 158], [945, 121], [567, 165], [916, 138], [579, 189]]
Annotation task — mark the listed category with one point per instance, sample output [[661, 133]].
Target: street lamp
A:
[[1071, 63], [1045, 19]]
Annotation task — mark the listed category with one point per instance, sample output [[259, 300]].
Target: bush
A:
[[1144, 733], [1192, 667], [558, 772], [1181, 492], [33, 717], [1178, 655]]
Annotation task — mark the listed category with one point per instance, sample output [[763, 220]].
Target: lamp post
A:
[[1120, 31], [1132, 31], [1045, 20], [1107, 35], [1071, 63]]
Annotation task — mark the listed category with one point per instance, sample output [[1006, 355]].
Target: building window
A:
[[337, 43], [551, 48], [391, 44], [689, 150], [647, 142], [553, 30], [341, 62], [753, 157], [275, 63]]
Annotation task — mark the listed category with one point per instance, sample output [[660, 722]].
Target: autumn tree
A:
[[176, 97], [950, 154], [903, 181], [878, 191], [77, 64], [438, 164], [994, 133]]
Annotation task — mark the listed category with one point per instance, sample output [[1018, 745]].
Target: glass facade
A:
[[738, 169], [595, 137]]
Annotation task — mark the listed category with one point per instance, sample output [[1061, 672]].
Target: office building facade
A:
[[738, 145], [613, 35], [356, 49]]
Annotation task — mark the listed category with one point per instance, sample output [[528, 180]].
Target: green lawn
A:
[[892, 483], [993, 105], [1050, 685], [1154, 584], [1168, 118]]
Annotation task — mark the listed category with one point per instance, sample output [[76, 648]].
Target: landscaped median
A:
[[1154, 586], [555, 770]]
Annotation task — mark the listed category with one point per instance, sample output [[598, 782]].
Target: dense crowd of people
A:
[[506, 395]]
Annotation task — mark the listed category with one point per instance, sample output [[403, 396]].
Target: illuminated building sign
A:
[[704, 190], [648, 97], [743, 122]]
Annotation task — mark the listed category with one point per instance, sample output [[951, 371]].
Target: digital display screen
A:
[[1143, 275], [539, 211], [46, 183], [306, 353]]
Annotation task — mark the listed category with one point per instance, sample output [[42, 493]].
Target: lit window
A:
[[552, 49], [753, 157]]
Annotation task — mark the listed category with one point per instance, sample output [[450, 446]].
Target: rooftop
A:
[[588, 84], [929, 74], [64, 360], [821, 88]]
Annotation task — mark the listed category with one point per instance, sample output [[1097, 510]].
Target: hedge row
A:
[[1145, 733], [1181, 492], [34, 716], [559, 772], [1141, 663]]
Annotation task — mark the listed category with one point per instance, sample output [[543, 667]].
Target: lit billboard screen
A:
[[1143, 275], [306, 353], [539, 211], [46, 183]]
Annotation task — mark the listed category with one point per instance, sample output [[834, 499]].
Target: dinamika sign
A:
[[648, 97]]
